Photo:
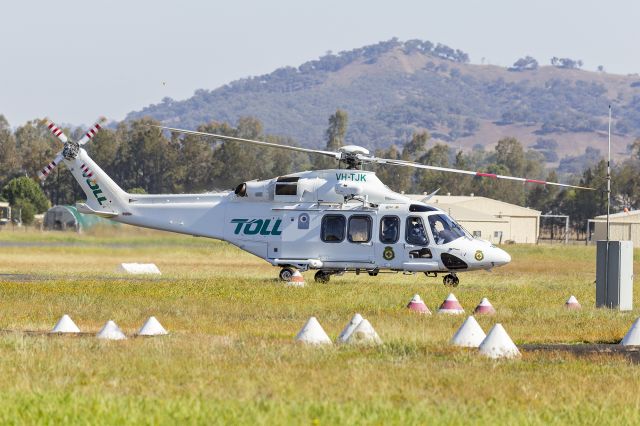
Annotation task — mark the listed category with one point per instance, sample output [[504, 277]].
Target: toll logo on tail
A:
[[93, 184]]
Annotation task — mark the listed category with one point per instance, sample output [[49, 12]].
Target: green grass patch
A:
[[231, 358]]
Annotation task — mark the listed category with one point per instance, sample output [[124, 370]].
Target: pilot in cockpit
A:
[[416, 232]]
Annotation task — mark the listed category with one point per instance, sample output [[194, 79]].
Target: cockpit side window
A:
[[415, 232], [444, 229]]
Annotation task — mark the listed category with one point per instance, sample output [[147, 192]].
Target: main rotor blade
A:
[[92, 131], [468, 172], [55, 130], [42, 174], [335, 155]]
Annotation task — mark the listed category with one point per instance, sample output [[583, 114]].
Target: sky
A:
[[76, 60]]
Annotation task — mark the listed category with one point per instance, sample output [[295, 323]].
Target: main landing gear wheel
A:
[[451, 280], [322, 277], [286, 274]]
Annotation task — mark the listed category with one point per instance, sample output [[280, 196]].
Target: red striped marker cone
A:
[[484, 307], [417, 305], [572, 303], [297, 280], [451, 306]]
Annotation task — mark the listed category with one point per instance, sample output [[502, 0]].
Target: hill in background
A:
[[394, 88]]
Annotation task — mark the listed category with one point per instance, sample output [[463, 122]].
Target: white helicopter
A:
[[333, 221]]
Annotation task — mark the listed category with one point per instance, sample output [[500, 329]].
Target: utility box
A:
[[614, 275]]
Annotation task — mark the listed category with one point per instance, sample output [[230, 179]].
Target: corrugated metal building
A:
[[622, 226], [489, 219]]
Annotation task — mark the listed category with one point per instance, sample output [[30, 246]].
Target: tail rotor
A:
[[42, 174], [70, 149]]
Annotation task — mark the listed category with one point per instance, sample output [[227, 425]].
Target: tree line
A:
[[142, 158]]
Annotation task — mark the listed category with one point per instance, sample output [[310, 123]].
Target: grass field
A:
[[231, 358]]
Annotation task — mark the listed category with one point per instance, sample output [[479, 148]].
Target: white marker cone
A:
[[632, 338], [364, 334], [498, 344], [111, 331], [65, 325], [348, 329], [469, 335], [297, 280], [451, 306], [313, 333], [152, 327], [572, 303], [484, 307], [417, 305]]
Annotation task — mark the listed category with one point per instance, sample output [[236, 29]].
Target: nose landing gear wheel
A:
[[451, 280], [322, 277], [286, 274]]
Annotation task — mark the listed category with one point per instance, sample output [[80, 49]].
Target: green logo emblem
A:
[[388, 253], [256, 226], [479, 255]]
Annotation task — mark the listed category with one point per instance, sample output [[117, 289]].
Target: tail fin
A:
[[104, 197]]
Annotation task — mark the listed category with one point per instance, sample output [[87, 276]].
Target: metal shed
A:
[[490, 219], [622, 226]]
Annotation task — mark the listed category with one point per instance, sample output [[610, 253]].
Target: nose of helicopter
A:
[[500, 257]]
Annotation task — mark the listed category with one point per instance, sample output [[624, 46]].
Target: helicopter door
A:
[[418, 257], [389, 250], [359, 245], [346, 241]]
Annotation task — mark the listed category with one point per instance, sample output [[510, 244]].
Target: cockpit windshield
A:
[[444, 229]]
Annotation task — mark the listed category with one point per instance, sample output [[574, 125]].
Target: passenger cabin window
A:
[[389, 229], [444, 229], [333, 228], [287, 186], [415, 232], [359, 229]]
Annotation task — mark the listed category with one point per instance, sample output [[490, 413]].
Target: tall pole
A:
[[606, 256], [609, 176]]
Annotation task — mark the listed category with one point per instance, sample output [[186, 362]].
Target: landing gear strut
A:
[[451, 280], [322, 277]]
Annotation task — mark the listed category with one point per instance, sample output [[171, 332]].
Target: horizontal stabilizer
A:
[[84, 208]]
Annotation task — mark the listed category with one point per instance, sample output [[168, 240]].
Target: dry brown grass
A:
[[231, 358]]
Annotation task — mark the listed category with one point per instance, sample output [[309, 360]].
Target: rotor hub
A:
[[70, 150], [351, 155]]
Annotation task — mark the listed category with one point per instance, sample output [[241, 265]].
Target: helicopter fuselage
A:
[[331, 220]]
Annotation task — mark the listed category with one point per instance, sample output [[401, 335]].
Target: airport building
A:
[[489, 219], [622, 226]]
